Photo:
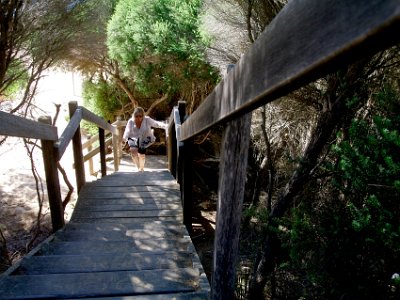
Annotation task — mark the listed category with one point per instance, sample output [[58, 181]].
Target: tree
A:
[[33, 38], [348, 94], [159, 44]]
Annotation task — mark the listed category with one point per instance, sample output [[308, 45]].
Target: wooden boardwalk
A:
[[125, 240]]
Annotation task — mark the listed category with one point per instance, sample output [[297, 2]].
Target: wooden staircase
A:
[[125, 240]]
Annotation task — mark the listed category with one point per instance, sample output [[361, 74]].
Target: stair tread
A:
[[58, 264], [99, 284]]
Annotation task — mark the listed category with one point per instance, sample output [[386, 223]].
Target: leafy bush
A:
[[346, 241]]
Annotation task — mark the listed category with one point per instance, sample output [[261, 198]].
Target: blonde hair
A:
[[137, 111]]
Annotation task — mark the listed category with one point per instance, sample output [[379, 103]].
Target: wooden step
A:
[[108, 236], [168, 219], [130, 235], [99, 194], [158, 226], [127, 214], [128, 189], [181, 296], [99, 284], [62, 264], [111, 206], [154, 178], [114, 247], [125, 201]]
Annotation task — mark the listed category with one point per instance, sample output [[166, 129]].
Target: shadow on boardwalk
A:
[[125, 238]]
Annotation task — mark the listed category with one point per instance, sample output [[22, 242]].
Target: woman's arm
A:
[[127, 132], [156, 124]]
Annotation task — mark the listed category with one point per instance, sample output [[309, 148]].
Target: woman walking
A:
[[139, 135]]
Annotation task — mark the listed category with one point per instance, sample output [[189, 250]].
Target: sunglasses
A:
[[138, 116]]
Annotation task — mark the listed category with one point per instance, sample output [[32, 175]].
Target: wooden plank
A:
[[112, 235], [69, 132], [99, 122], [306, 40], [156, 226], [160, 177], [128, 214], [37, 265], [128, 189], [77, 150], [12, 125], [167, 196], [95, 151], [116, 207], [127, 201], [103, 150], [232, 179], [201, 295], [172, 220], [99, 284], [50, 160], [115, 247]]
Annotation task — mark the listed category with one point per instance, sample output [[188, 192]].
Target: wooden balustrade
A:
[[306, 40], [54, 147]]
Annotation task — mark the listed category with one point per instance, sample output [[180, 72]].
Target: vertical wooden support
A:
[[232, 179], [184, 167], [181, 114], [171, 145], [102, 137], [90, 162], [77, 148], [50, 159], [121, 128], [116, 141], [182, 110], [187, 183], [172, 150]]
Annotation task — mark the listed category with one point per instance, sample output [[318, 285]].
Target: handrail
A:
[[289, 54], [69, 132], [305, 41], [53, 148], [12, 125]]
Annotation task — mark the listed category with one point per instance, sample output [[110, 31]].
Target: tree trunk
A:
[[335, 112], [322, 133]]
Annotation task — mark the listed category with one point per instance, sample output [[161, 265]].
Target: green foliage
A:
[[349, 245], [19, 80], [103, 98], [159, 42]]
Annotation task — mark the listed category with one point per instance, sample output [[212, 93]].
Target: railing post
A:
[[89, 148], [187, 183], [102, 152], [232, 180], [120, 128], [172, 147], [77, 148], [116, 141], [184, 170], [50, 159]]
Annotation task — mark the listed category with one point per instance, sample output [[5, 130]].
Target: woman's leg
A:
[[142, 160], [135, 157]]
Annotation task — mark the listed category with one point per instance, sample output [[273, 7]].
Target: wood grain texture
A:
[[233, 166], [12, 125], [305, 41], [101, 123], [125, 240], [69, 132], [99, 284]]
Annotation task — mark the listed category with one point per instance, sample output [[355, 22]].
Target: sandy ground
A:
[[19, 204]]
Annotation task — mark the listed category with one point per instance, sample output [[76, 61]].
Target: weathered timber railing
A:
[[54, 147], [305, 41]]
